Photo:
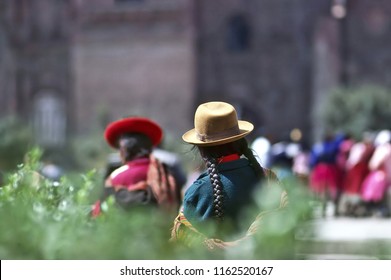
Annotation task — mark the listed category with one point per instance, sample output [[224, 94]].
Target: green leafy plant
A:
[[357, 109], [42, 219]]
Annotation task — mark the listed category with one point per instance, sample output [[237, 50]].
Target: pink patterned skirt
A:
[[374, 186]]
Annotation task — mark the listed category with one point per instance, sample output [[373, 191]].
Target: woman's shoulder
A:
[[197, 201], [201, 182], [120, 170]]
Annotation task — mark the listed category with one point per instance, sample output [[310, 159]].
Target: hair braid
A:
[[217, 188], [253, 161], [210, 156]]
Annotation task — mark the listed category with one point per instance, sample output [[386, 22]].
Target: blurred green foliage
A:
[[358, 109], [41, 219], [15, 141], [90, 150]]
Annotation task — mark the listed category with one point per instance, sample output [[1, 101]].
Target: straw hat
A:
[[133, 125], [216, 123]]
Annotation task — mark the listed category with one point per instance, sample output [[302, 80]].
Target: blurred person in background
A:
[[281, 158], [356, 169], [221, 194], [343, 152], [287, 156], [142, 179], [170, 159], [345, 142], [261, 146], [377, 182], [51, 171], [301, 163], [325, 176]]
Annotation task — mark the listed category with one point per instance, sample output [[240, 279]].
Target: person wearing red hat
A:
[[135, 138]]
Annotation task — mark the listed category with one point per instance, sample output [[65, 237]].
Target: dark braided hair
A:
[[211, 155], [217, 188]]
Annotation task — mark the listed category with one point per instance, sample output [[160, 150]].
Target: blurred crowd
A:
[[351, 174]]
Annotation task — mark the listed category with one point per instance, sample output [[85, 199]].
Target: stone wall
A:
[[269, 79], [368, 41], [137, 61], [161, 58]]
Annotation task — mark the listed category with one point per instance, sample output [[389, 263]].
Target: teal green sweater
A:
[[239, 181]]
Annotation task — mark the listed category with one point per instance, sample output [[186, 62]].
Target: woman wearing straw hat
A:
[[220, 194]]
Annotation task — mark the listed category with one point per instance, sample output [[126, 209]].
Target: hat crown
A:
[[133, 125], [215, 120]]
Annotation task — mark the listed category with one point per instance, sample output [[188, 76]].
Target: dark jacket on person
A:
[[239, 182]]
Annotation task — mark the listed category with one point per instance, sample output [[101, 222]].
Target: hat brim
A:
[[244, 127], [133, 125]]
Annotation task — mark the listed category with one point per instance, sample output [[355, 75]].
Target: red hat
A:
[[133, 125]]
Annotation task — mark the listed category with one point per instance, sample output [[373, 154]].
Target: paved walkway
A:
[[351, 229], [345, 238]]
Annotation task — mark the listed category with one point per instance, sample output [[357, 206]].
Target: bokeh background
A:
[[69, 67]]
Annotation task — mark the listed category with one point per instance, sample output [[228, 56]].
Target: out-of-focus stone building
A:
[[134, 57], [72, 66], [35, 78], [257, 54]]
